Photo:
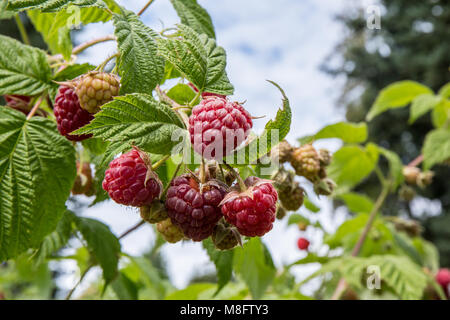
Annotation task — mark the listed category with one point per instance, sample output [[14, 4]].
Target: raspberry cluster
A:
[[79, 99]]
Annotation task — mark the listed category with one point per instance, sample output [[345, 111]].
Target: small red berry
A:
[[303, 244], [194, 207], [131, 181], [69, 114], [218, 126], [206, 94], [443, 278], [252, 211]]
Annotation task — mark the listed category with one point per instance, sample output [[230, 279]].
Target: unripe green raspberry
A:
[[94, 89], [170, 232], [411, 174], [406, 193], [282, 151], [324, 157], [292, 199], [154, 213], [283, 180], [306, 163], [281, 212], [225, 237], [324, 187], [302, 226]]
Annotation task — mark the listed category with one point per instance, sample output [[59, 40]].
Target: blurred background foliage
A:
[[412, 44]]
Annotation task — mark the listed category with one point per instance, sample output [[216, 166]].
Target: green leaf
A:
[[181, 93], [346, 131], [422, 104], [351, 164], [55, 240], [194, 16], [136, 118], [37, 171], [24, 70], [140, 68], [259, 147], [73, 71], [395, 167], [436, 148], [397, 95], [102, 243], [311, 258], [198, 59], [125, 288], [223, 260], [357, 203], [445, 91], [191, 292], [5, 14], [49, 5], [310, 205], [170, 72], [398, 273], [252, 264], [55, 26], [441, 114]]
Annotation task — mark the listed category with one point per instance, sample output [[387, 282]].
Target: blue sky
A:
[[284, 41]]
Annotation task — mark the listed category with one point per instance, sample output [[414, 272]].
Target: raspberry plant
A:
[[184, 157]]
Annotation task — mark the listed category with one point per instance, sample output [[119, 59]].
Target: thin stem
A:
[[90, 43], [173, 177], [144, 8], [83, 275], [416, 161], [378, 203], [380, 175], [241, 182], [160, 162], [104, 63], [175, 106], [22, 30], [194, 99], [135, 227], [36, 106]]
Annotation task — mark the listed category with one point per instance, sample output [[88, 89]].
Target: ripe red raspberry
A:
[[303, 244], [194, 207], [218, 126], [131, 181], [443, 278], [69, 115], [206, 94], [253, 210]]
